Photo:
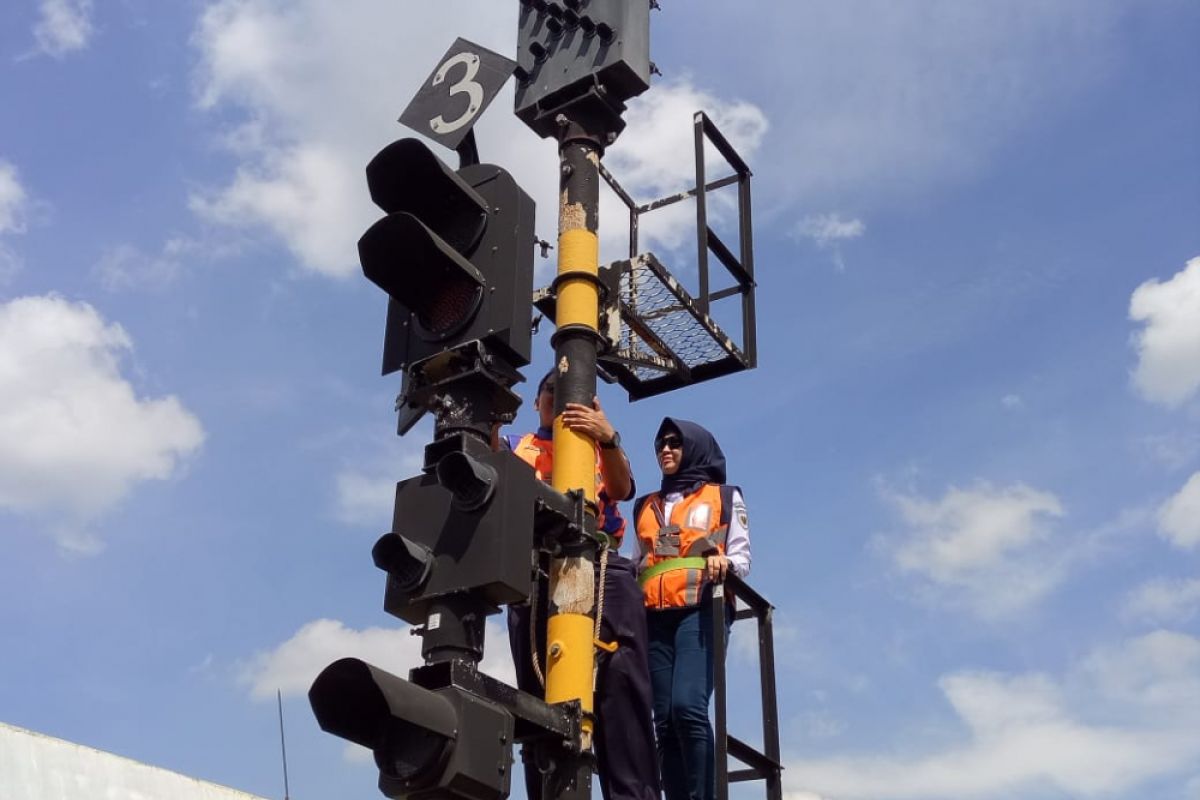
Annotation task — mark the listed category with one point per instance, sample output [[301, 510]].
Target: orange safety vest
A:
[[672, 564], [539, 454]]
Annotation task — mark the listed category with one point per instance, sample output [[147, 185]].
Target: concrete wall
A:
[[37, 767]]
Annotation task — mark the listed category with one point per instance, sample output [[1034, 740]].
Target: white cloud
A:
[[984, 543], [1012, 401], [365, 499], [125, 267], [1168, 369], [64, 26], [1164, 600], [310, 197], [14, 212], [972, 528], [880, 100], [1124, 716], [818, 725], [318, 93], [292, 666], [828, 232], [74, 436], [829, 229], [656, 152], [365, 492], [1179, 517], [873, 100], [1173, 450], [1154, 678], [10, 264], [14, 202], [655, 158]]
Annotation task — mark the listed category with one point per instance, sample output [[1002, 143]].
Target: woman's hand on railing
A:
[[716, 568]]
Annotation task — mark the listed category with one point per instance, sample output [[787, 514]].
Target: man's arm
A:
[[614, 465]]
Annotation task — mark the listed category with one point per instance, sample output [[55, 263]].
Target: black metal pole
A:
[[282, 743], [572, 611]]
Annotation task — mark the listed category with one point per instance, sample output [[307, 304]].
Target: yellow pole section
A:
[[570, 649], [578, 304], [578, 300], [569, 658], [570, 469]]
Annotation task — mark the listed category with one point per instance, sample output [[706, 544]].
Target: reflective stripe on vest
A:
[[670, 564]]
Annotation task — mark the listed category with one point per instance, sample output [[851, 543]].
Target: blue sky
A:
[[971, 451]]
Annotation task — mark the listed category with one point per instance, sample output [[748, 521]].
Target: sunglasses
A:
[[670, 441]]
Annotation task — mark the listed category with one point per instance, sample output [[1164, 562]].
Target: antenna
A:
[[282, 743]]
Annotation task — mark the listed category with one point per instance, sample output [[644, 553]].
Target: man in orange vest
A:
[[627, 766]]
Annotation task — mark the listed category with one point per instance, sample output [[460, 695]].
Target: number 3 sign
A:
[[462, 85]]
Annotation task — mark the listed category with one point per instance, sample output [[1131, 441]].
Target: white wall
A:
[[37, 767]]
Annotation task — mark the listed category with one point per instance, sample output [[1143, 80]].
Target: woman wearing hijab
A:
[[691, 533]]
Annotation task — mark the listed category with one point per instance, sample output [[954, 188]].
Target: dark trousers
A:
[[681, 673], [624, 740]]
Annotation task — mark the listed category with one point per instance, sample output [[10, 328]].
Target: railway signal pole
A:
[[577, 64], [453, 254]]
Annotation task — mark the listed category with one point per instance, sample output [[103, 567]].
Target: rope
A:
[[600, 589], [533, 627], [533, 606], [599, 613]]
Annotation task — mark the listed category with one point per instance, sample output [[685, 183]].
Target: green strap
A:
[[670, 564]]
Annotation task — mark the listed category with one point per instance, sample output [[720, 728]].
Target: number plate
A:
[[461, 86]]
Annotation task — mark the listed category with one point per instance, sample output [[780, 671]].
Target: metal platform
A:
[[659, 337]]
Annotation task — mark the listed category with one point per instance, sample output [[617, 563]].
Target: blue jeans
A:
[[681, 675]]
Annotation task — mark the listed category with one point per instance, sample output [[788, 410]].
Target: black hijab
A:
[[702, 462]]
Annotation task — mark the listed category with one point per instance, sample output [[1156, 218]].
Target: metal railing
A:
[[765, 765]]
